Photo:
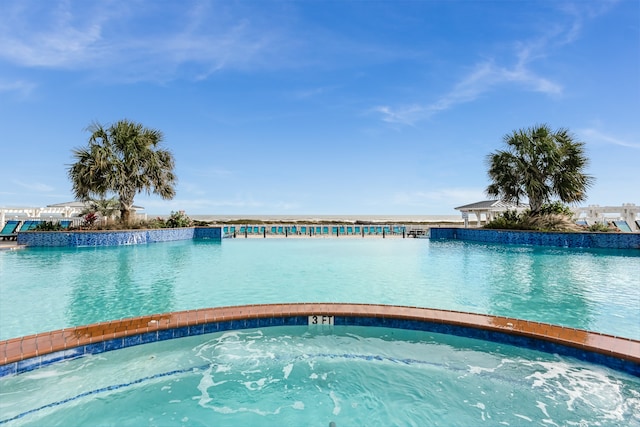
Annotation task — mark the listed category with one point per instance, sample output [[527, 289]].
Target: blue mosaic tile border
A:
[[115, 238], [426, 326], [536, 238]]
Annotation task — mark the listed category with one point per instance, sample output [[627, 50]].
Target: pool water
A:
[[296, 376], [46, 289]]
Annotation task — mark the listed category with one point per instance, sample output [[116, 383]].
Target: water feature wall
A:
[[115, 238], [536, 238]]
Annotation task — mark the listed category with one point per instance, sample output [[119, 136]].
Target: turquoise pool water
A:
[[45, 289], [353, 376]]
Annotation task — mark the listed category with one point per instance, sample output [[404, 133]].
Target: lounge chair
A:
[[623, 226], [26, 226], [29, 225], [65, 224], [8, 232]]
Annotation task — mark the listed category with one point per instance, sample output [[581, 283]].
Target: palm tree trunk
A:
[[125, 216]]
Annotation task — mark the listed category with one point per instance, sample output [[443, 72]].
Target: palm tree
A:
[[123, 159], [539, 164], [107, 208]]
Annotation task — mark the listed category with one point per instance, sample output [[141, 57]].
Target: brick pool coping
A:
[[26, 353]]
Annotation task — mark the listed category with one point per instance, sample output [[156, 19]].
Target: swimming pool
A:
[[300, 376], [596, 290]]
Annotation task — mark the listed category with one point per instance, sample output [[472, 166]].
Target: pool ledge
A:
[[27, 353]]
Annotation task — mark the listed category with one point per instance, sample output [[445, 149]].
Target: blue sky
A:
[[318, 107]]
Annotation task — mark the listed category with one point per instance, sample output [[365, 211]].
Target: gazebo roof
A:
[[81, 205], [491, 205]]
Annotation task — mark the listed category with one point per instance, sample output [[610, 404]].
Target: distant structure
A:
[[487, 210], [59, 210], [628, 212]]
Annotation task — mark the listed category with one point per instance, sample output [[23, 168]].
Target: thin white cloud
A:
[[489, 75], [104, 37], [34, 186], [162, 41], [56, 40], [484, 78], [593, 135], [21, 87]]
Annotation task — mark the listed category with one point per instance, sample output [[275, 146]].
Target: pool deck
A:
[[9, 245], [33, 346]]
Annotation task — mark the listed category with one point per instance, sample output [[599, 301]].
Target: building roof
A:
[[491, 205], [81, 205]]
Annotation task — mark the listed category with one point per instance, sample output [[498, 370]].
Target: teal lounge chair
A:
[[623, 226], [8, 232], [65, 224], [26, 226]]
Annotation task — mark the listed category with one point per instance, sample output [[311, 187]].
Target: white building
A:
[[487, 210]]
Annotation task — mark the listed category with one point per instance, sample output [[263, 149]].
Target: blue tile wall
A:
[[441, 328], [116, 238], [536, 238], [208, 233]]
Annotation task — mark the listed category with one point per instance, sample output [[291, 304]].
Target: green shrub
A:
[[156, 223], [48, 226], [599, 227], [556, 208], [551, 222], [553, 217], [178, 219], [508, 220]]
